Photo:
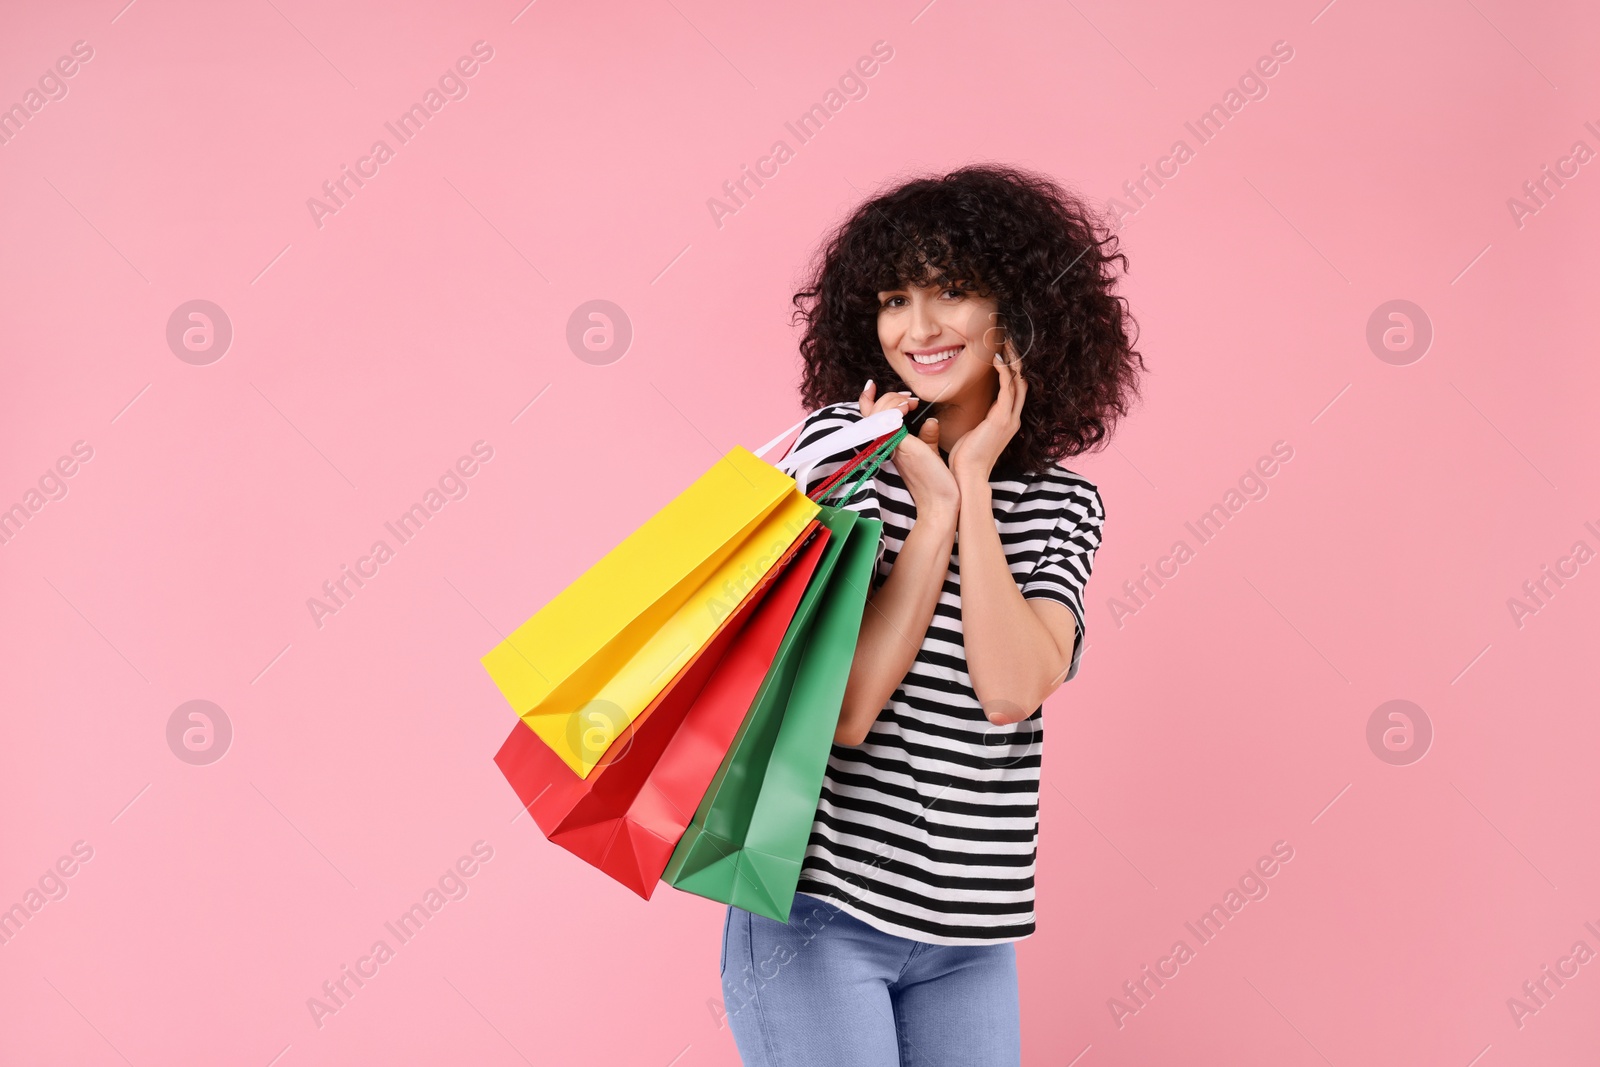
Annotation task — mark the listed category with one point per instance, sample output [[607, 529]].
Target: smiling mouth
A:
[[933, 359]]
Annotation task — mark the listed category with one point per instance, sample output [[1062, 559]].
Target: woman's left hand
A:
[[973, 457]]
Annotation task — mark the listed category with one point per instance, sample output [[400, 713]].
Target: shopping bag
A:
[[628, 814], [614, 637], [748, 837], [595, 656]]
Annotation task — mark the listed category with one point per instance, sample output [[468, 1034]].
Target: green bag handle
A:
[[869, 467], [866, 470]]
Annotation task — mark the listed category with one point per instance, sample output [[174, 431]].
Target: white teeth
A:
[[936, 357]]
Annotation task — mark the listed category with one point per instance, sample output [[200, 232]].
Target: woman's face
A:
[[941, 342]]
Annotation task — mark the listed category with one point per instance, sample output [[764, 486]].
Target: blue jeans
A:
[[827, 990]]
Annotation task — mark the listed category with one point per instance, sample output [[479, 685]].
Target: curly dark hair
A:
[[1015, 235]]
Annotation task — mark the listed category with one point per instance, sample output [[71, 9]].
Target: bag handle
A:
[[815, 493], [866, 465], [770, 445], [801, 463], [880, 451], [875, 430]]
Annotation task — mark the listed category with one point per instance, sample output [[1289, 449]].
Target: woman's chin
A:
[[941, 389], [933, 388]]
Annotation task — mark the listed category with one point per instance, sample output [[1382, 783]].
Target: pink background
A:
[[1228, 713]]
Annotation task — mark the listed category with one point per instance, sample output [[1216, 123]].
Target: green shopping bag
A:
[[748, 837]]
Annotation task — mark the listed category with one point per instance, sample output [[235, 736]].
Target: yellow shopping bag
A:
[[594, 657]]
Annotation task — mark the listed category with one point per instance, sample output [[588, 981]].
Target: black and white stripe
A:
[[928, 828]]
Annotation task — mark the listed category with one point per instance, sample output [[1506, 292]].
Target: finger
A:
[[1006, 401], [1008, 353], [1010, 376], [1021, 389], [929, 434], [867, 393]]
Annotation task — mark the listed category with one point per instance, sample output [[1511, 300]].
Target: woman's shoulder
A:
[[826, 419], [842, 412]]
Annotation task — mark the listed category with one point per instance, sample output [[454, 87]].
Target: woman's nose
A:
[[924, 322]]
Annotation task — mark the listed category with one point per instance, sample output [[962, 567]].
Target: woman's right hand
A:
[[927, 477]]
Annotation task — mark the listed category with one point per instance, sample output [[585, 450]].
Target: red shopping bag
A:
[[627, 816]]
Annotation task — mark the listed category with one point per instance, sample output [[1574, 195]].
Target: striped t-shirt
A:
[[928, 829]]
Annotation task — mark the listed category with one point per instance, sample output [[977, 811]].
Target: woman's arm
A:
[[1018, 650], [896, 621], [898, 612]]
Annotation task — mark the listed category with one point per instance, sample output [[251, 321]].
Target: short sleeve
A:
[[1062, 570]]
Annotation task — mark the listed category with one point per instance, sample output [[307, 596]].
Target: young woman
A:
[[988, 293]]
